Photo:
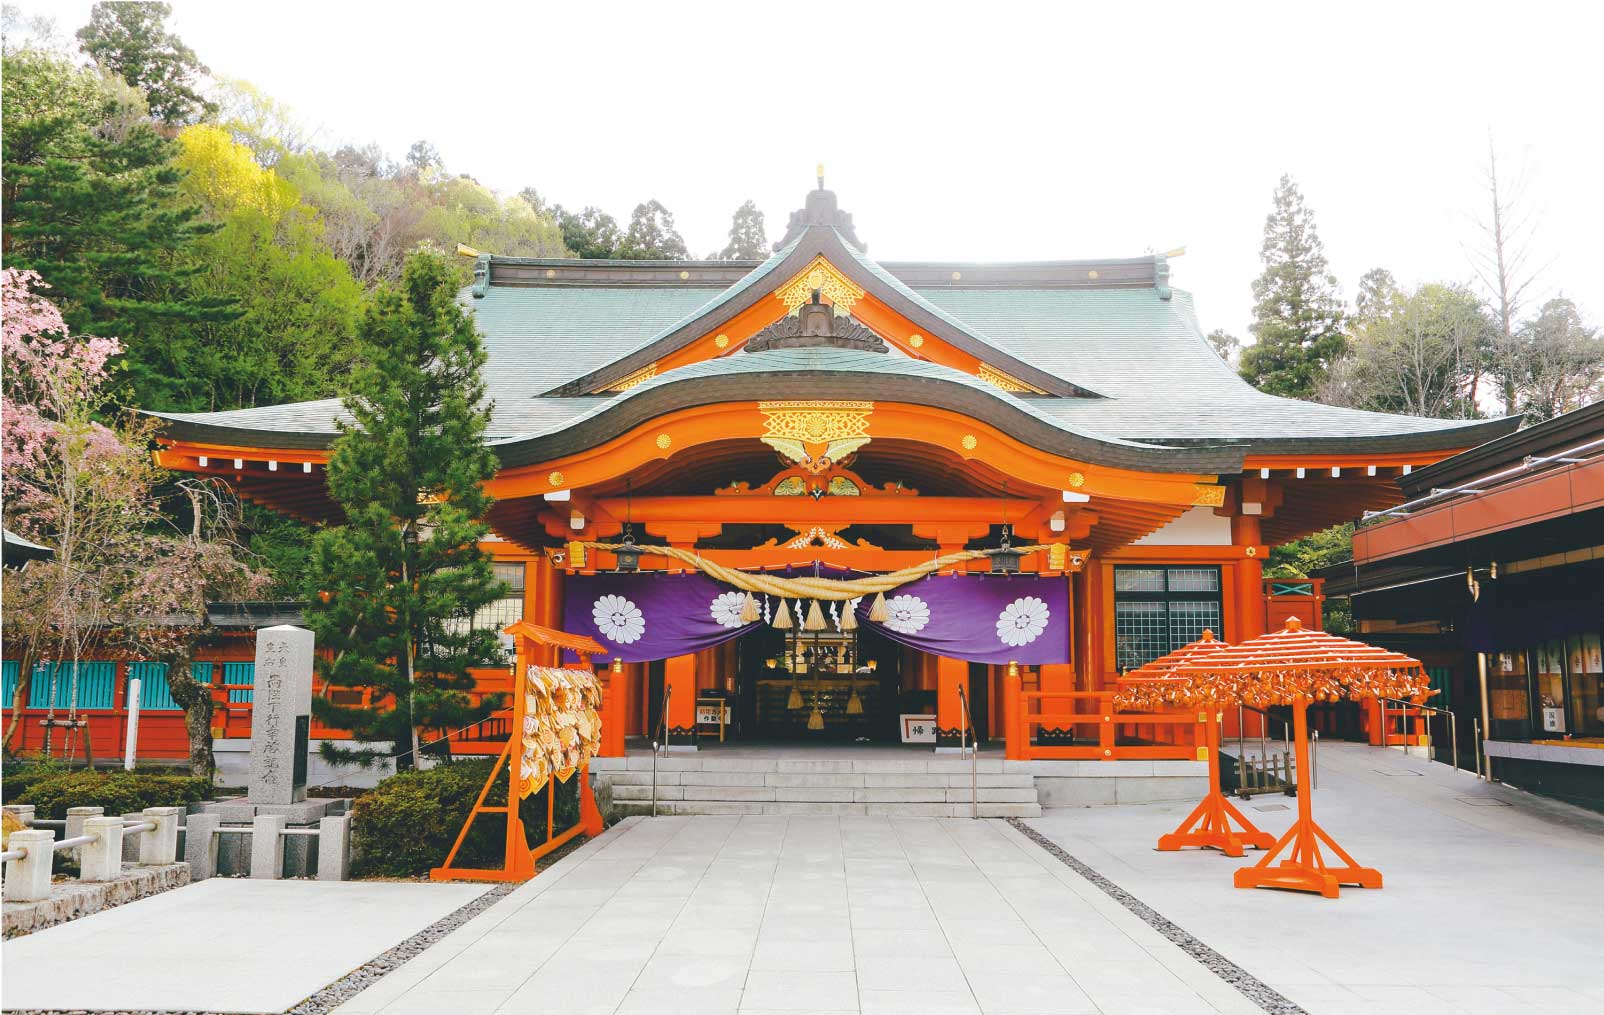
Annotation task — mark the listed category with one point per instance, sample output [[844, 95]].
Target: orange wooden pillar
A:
[[615, 710], [1210, 823], [951, 674], [679, 684], [1014, 732]]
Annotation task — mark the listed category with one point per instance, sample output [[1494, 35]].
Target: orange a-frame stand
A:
[[1210, 823], [1304, 869], [518, 863]]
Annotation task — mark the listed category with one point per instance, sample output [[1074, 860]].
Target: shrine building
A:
[[822, 413]]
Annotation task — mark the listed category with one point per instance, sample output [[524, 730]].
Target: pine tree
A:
[[92, 203], [391, 592], [1297, 319], [131, 41], [748, 239], [651, 235]]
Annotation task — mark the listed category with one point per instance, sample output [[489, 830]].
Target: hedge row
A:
[[52, 789]]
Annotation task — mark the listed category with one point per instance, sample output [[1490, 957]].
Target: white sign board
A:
[[918, 729], [1553, 720], [712, 715]]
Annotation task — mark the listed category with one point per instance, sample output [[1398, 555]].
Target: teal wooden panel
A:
[[10, 682], [1442, 683], [239, 673], [97, 684], [155, 695]]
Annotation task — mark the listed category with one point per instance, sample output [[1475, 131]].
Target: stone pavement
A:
[[1493, 898], [223, 945], [764, 913]]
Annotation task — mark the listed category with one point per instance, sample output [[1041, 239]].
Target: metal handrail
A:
[[661, 739], [1453, 725], [974, 763]]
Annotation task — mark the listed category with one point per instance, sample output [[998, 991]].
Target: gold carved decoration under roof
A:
[[816, 422], [639, 377], [664, 441], [825, 537], [1208, 495], [1077, 479], [820, 274], [998, 379], [969, 442]]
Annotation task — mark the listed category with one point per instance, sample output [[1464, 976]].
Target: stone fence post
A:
[[334, 848], [76, 816], [102, 860], [161, 845], [267, 846], [28, 879], [22, 812], [200, 845]]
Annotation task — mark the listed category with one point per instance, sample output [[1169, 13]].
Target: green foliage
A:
[[748, 239], [1300, 557], [1297, 316], [1560, 361], [465, 211], [392, 590], [406, 824], [131, 41], [591, 233], [651, 235], [92, 204], [1418, 353], [118, 792], [1227, 345]]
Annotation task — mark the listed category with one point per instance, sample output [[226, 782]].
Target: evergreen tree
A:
[[1227, 345], [748, 239], [131, 41], [651, 235], [591, 234], [1297, 316], [391, 592], [92, 203]]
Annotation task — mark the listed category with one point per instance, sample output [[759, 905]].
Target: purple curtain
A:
[[644, 615]]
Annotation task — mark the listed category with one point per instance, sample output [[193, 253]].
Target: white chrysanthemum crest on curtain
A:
[[907, 614], [1022, 621], [618, 619], [727, 608]]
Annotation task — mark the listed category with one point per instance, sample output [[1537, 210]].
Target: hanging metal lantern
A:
[[627, 554], [1005, 559]]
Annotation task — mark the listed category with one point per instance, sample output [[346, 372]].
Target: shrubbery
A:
[[52, 789], [407, 823]]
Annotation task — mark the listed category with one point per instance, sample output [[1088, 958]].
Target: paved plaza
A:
[[1491, 898], [223, 945], [818, 914]]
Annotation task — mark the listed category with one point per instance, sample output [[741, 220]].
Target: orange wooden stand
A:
[[1305, 869], [1209, 824], [518, 862]]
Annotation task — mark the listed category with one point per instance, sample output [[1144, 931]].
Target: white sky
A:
[[979, 131]]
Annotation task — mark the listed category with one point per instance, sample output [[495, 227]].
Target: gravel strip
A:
[[1250, 986], [352, 983]]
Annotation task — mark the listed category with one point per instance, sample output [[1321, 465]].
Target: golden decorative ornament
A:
[[1077, 480], [957, 275], [917, 341], [635, 379], [551, 272], [1252, 551], [969, 442], [684, 275], [1208, 495], [722, 341], [815, 422], [831, 283], [664, 440], [555, 479], [1005, 382], [1092, 274]]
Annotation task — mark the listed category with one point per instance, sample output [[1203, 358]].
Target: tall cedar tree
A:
[[748, 239], [651, 235], [392, 590], [131, 40], [91, 203], [1297, 319]]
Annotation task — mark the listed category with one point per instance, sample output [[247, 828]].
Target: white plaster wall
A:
[[1200, 526]]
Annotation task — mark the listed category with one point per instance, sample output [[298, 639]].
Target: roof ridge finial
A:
[[819, 169]]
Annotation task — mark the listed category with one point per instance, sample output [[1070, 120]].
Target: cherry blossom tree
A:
[[123, 575]]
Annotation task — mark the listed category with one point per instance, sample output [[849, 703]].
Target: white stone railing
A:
[[99, 841]]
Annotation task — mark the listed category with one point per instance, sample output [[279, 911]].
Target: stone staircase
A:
[[930, 787]]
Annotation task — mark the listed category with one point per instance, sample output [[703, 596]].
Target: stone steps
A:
[[930, 787]]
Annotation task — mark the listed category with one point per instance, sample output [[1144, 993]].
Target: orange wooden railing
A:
[[1177, 735]]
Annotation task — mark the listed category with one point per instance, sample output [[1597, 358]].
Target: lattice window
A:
[[1160, 609]]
